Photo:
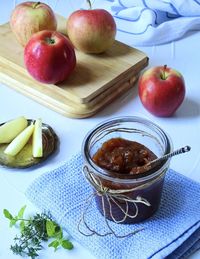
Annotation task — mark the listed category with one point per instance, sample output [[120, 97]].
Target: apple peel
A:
[[28, 18], [10, 129], [37, 139], [161, 90]]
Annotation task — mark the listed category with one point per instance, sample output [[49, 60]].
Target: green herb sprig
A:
[[33, 231]]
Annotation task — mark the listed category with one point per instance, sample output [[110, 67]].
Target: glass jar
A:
[[135, 197]]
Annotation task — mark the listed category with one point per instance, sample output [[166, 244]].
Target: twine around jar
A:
[[116, 196]]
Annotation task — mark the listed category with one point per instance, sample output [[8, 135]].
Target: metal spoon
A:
[[174, 153]]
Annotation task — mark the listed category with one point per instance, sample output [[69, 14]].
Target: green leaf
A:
[[67, 244], [21, 212], [50, 227], [33, 232], [7, 214], [58, 232], [13, 221], [22, 225], [54, 244]]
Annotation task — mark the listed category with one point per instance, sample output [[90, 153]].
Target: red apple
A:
[[161, 90], [91, 31], [30, 17], [49, 57]]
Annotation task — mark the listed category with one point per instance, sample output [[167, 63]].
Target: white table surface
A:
[[183, 127]]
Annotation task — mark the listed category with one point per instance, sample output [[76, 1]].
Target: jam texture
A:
[[123, 156]]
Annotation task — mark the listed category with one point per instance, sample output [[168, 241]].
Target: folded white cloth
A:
[[151, 22]]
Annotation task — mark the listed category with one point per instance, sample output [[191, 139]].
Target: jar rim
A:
[[105, 124]]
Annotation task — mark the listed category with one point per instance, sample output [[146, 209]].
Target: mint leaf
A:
[[22, 226], [50, 227], [58, 233], [21, 212], [67, 244], [33, 231], [7, 214], [54, 244], [13, 221]]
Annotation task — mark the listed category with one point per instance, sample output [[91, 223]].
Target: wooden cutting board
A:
[[96, 81]]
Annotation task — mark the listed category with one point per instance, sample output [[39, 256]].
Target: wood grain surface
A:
[[96, 81]]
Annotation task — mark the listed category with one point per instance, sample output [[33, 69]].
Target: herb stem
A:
[[34, 231], [28, 238], [89, 3]]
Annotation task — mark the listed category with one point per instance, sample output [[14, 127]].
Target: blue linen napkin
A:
[[173, 231], [154, 21]]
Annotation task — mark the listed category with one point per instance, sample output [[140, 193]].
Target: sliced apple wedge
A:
[[20, 141], [37, 139], [11, 129]]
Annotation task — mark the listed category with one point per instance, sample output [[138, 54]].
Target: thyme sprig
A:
[[33, 231]]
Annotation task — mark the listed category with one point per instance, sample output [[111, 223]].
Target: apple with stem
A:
[[161, 90], [30, 17], [49, 57], [91, 31]]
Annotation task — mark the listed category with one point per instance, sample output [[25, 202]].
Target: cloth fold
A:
[[154, 21], [172, 232]]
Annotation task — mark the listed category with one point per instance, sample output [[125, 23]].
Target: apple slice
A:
[[37, 139], [20, 141], [11, 129]]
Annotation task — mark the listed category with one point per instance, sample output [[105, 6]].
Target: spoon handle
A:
[[174, 153]]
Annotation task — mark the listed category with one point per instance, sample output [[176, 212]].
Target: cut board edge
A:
[[81, 111]]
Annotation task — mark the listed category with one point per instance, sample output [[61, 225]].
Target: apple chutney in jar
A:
[[116, 154], [123, 156]]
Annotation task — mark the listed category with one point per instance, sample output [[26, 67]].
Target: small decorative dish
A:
[[24, 158]]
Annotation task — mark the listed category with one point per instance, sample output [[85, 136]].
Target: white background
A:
[[183, 127]]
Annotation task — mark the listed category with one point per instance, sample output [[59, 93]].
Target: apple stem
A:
[[163, 75], [89, 3], [50, 41], [36, 4]]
